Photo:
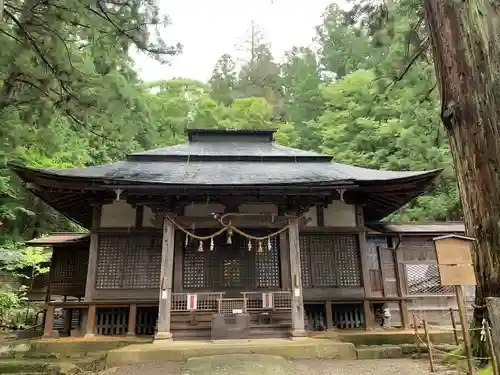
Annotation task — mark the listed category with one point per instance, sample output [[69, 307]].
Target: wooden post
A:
[[403, 304], [68, 315], [178, 259], [329, 315], [49, 321], [132, 320], [363, 256], [93, 252], [286, 283], [454, 258], [51, 275], [298, 324], [167, 268], [91, 316], [494, 362], [429, 346], [493, 305], [369, 315], [454, 325], [465, 328], [417, 339]]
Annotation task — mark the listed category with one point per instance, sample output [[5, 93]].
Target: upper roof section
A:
[[229, 145]]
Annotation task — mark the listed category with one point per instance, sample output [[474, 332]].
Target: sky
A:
[[209, 28]]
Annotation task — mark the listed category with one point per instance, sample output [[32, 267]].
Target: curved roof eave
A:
[[305, 175]]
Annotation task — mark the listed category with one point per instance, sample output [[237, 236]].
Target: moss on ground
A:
[[383, 338]]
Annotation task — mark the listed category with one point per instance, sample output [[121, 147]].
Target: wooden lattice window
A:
[[267, 266], [231, 266], [305, 261], [194, 267], [329, 261], [347, 251], [69, 272], [129, 262]]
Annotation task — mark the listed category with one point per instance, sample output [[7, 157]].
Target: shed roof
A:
[[59, 239], [419, 228]]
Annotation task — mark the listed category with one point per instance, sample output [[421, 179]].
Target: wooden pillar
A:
[[369, 315], [403, 304], [68, 317], [167, 268], [363, 254], [49, 322], [53, 260], [178, 263], [298, 328], [329, 315], [93, 250], [132, 319], [91, 317], [284, 261]]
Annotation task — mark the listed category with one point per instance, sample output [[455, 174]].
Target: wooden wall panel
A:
[[128, 261], [330, 261], [417, 248], [69, 273]]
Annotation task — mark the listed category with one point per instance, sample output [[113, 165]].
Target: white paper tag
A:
[[237, 311], [163, 294], [192, 302], [296, 292]]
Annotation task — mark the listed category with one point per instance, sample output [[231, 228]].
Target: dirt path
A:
[[279, 366]]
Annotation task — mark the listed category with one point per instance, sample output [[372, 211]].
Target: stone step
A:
[[301, 348]]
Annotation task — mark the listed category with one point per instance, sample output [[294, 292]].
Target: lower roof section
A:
[[225, 173], [73, 191]]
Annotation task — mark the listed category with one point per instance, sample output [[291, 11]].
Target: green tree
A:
[[259, 75], [396, 133], [344, 46], [303, 102], [223, 80]]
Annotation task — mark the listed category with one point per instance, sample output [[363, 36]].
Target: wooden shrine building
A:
[[227, 226]]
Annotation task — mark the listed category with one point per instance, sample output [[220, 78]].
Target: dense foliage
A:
[[70, 97]]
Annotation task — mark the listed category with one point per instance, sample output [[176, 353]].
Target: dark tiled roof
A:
[[231, 173], [221, 159], [228, 157]]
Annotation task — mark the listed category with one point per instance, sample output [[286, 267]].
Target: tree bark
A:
[[465, 38]]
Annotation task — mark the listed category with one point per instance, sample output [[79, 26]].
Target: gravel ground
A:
[[404, 366], [308, 367]]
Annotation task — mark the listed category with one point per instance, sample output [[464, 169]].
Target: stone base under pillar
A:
[[162, 337], [298, 334]]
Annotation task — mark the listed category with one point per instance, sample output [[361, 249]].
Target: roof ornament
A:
[[341, 193], [118, 192]]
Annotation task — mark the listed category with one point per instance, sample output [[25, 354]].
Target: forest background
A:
[[70, 98]]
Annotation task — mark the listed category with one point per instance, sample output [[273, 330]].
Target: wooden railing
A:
[[250, 301], [275, 300], [196, 301]]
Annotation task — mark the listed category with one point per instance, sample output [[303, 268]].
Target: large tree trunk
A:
[[465, 37]]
